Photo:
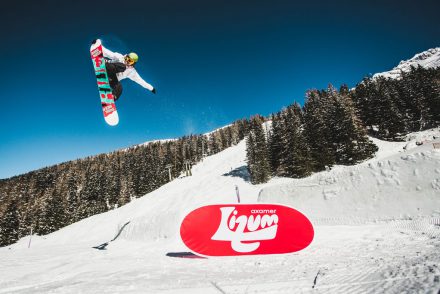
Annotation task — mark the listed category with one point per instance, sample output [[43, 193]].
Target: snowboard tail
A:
[[105, 91]]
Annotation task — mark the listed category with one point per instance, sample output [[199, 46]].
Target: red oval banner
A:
[[245, 229]]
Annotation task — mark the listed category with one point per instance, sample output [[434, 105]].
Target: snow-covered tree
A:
[[295, 155], [9, 225], [318, 124], [257, 152]]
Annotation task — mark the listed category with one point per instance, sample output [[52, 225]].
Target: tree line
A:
[[333, 125], [391, 108]]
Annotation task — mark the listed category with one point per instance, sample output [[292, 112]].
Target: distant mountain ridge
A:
[[426, 59]]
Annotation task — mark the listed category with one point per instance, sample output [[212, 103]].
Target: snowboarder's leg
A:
[[112, 70], [117, 90]]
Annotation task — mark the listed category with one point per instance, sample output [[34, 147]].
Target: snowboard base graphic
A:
[[105, 92]]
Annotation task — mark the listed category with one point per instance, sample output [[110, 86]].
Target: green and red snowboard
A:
[[105, 91]]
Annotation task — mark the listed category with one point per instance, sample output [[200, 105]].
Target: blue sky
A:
[[212, 62]]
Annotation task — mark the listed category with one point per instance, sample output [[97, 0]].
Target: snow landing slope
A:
[[405, 185], [427, 59], [377, 229]]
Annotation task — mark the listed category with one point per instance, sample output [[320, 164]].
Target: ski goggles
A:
[[128, 60]]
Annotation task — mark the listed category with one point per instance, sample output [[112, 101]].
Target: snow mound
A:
[[427, 59], [402, 182]]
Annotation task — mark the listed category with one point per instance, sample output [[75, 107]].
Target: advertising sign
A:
[[246, 229]]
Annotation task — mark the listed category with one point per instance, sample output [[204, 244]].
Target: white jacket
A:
[[130, 72]]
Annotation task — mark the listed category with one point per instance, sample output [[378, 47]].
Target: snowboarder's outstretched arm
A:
[[112, 55], [134, 76]]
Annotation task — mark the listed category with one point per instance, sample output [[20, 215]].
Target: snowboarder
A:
[[120, 67]]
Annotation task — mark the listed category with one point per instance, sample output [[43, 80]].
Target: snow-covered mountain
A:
[[377, 228], [427, 59]]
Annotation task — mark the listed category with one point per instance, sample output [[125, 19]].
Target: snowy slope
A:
[[401, 186], [377, 228], [427, 59], [157, 215]]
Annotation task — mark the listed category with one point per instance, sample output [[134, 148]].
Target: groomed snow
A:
[[377, 229]]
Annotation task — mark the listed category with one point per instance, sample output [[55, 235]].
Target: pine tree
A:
[[243, 128], [317, 129], [225, 143], [429, 91], [9, 225], [54, 214], [71, 193], [25, 219], [363, 100], [349, 138], [390, 119], [275, 142], [257, 152], [202, 146], [215, 143], [127, 190], [295, 153], [233, 134]]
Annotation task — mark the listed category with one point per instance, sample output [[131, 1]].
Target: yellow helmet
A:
[[131, 58]]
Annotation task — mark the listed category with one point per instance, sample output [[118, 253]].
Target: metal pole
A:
[[30, 239], [169, 171], [238, 193]]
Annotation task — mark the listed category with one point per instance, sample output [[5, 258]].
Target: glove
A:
[[153, 91]]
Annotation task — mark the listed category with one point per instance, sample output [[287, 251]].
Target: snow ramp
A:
[[405, 185]]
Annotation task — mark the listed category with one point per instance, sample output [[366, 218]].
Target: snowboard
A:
[[105, 92]]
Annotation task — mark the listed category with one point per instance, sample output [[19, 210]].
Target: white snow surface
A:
[[427, 59], [377, 230]]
